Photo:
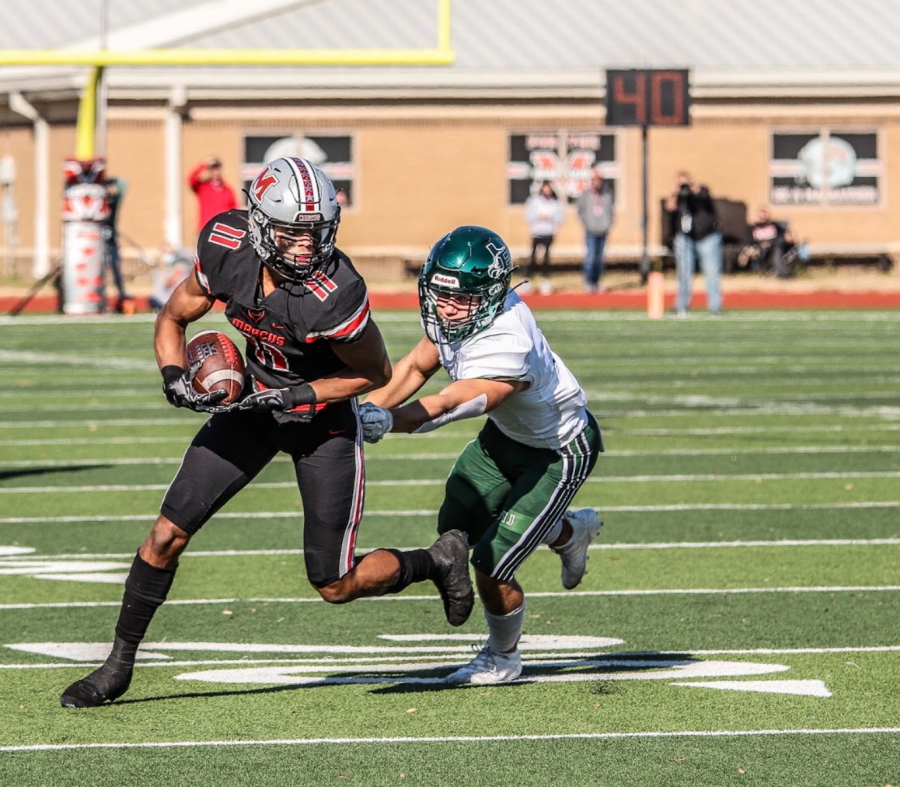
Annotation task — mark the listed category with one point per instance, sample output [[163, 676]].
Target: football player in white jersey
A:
[[510, 488]]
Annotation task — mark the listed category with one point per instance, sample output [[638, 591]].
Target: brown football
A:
[[222, 367]]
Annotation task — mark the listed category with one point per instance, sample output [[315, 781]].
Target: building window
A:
[[562, 157], [825, 167], [333, 154]]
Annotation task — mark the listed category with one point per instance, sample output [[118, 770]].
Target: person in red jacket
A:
[[214, 195]]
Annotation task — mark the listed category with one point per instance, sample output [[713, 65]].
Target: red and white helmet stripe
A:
[[310, 196]]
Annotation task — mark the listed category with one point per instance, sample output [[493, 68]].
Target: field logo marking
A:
[[11, 563], [548, 659]]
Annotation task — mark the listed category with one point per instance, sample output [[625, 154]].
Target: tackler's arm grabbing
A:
[[470, 398]]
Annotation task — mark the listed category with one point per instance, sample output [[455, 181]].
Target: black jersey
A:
[[289, 332]]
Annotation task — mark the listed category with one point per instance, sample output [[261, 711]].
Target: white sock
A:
[[505, 630]]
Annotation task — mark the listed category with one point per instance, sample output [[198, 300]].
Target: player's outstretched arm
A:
[[410, 373], [461, 399]]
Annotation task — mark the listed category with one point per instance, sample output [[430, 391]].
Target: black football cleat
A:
[[86, 693], [451, 556]]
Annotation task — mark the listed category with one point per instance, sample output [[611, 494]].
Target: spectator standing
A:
[[697, 236], [214, 195], [115, 193], [595, 209], [544, 213]]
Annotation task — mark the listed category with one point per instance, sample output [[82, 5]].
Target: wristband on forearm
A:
[[171, 373], [299, 395]]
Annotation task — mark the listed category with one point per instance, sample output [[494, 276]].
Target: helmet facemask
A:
[[289, 198]]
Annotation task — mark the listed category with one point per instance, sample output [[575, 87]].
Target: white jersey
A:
[[551, 411]]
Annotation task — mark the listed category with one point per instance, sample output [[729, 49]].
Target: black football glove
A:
[[178, 386], [282, 400]]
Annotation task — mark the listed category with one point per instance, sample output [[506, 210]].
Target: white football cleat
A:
[[585, 525], [488, 667]]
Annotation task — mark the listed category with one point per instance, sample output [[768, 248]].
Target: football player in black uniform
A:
[[312, 348]]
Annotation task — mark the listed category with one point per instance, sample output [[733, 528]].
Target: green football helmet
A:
[[468, 261]]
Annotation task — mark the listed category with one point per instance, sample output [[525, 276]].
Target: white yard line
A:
[[862, 505], [548, 594], [94, 401], [457, 739], [616, 479], [785, 409], [451, 433], [376, 456], [194, 420], [745, 430], [653, 545]]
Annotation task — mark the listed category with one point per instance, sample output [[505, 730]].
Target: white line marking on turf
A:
[[687, 402], [892, 413], [84, 361], [823, 542], [451, 455], [8, 559], [457, 739], [657, 669], [548, 594], [787, 651], [781, 410], [177, 460], [191, 419], [862, 505], [100, 651], [96, 423], [742, 430], [801, 688], [227, 515], [609, 479], [749, 402], [530, 644]]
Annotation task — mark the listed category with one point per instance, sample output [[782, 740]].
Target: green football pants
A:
[[507, 496]]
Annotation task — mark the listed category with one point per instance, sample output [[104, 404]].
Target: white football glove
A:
[[376, 421]]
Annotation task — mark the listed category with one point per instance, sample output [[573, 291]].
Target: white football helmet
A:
[[289, 197]]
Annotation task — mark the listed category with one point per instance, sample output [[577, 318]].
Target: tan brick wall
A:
[[424, 169]]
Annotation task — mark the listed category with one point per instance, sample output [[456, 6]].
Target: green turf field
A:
[[740, 622]]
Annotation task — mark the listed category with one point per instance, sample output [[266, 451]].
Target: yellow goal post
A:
[[441, 55]]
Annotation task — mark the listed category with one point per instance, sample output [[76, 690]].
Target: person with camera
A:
[[214, 195], [697, 236]]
